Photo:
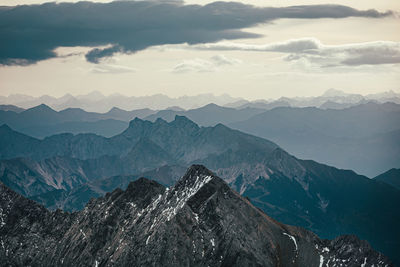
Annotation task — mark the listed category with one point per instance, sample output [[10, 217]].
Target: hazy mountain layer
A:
[[324, 199], [198, 222], [391, 177], [42, 121], [363, 138], [208, 115], [97, 102]]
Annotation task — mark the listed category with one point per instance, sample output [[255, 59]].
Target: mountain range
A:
[[364, 138], [97, 102], [42, 121], [199, 221], [306, 132], [324, 199], [331, 99]]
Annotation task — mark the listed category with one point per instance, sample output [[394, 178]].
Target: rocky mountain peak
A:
[[184, 122], [198, 222], [194, 173], [143, 190], [136, 122]]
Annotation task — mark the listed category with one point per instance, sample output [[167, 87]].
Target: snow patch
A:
[[365, 262], [212, 242], [84, 235], [321, 260], [293, 239], [323, 203]]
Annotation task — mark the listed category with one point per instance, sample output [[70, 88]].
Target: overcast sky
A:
[[252, 49]]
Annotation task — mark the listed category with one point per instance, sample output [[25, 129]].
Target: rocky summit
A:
[[199, 221]]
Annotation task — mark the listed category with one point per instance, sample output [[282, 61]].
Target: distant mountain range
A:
[[364, 138], [208, 115], [97, 102], [323, 199], [199, 221], [331, 99], [42, 121]]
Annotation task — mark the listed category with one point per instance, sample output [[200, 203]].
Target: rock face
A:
[[77, 198], [198, 222]]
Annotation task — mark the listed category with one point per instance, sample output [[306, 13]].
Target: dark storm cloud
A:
[[30, 33]]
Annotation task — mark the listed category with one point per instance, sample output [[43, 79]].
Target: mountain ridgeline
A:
[[199, 221], [391, 177], [364, 138], [320, 198]]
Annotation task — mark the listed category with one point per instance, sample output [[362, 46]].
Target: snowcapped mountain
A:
[[198, 222]]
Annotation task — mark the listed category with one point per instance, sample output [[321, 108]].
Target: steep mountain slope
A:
[[365, 138], [391, 177], [198, 222], [294, 191], [12, 143], [76, 198], [83, 146], [31, 178]]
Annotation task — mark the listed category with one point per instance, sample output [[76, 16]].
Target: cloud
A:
[[111, 69], [220, 60], [194, 65], [313, 51], [30, 33], [201, 65]]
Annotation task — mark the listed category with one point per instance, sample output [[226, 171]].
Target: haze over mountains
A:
[[364, 138], [97, 102], [298, 192]]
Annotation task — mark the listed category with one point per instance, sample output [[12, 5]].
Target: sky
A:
[[255, 49]]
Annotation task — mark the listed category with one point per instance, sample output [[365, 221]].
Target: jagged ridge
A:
[[198, 222]]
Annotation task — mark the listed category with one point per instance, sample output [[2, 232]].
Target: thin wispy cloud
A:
[[31, 33], [202, 65], [314, 51], [111, 69]]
